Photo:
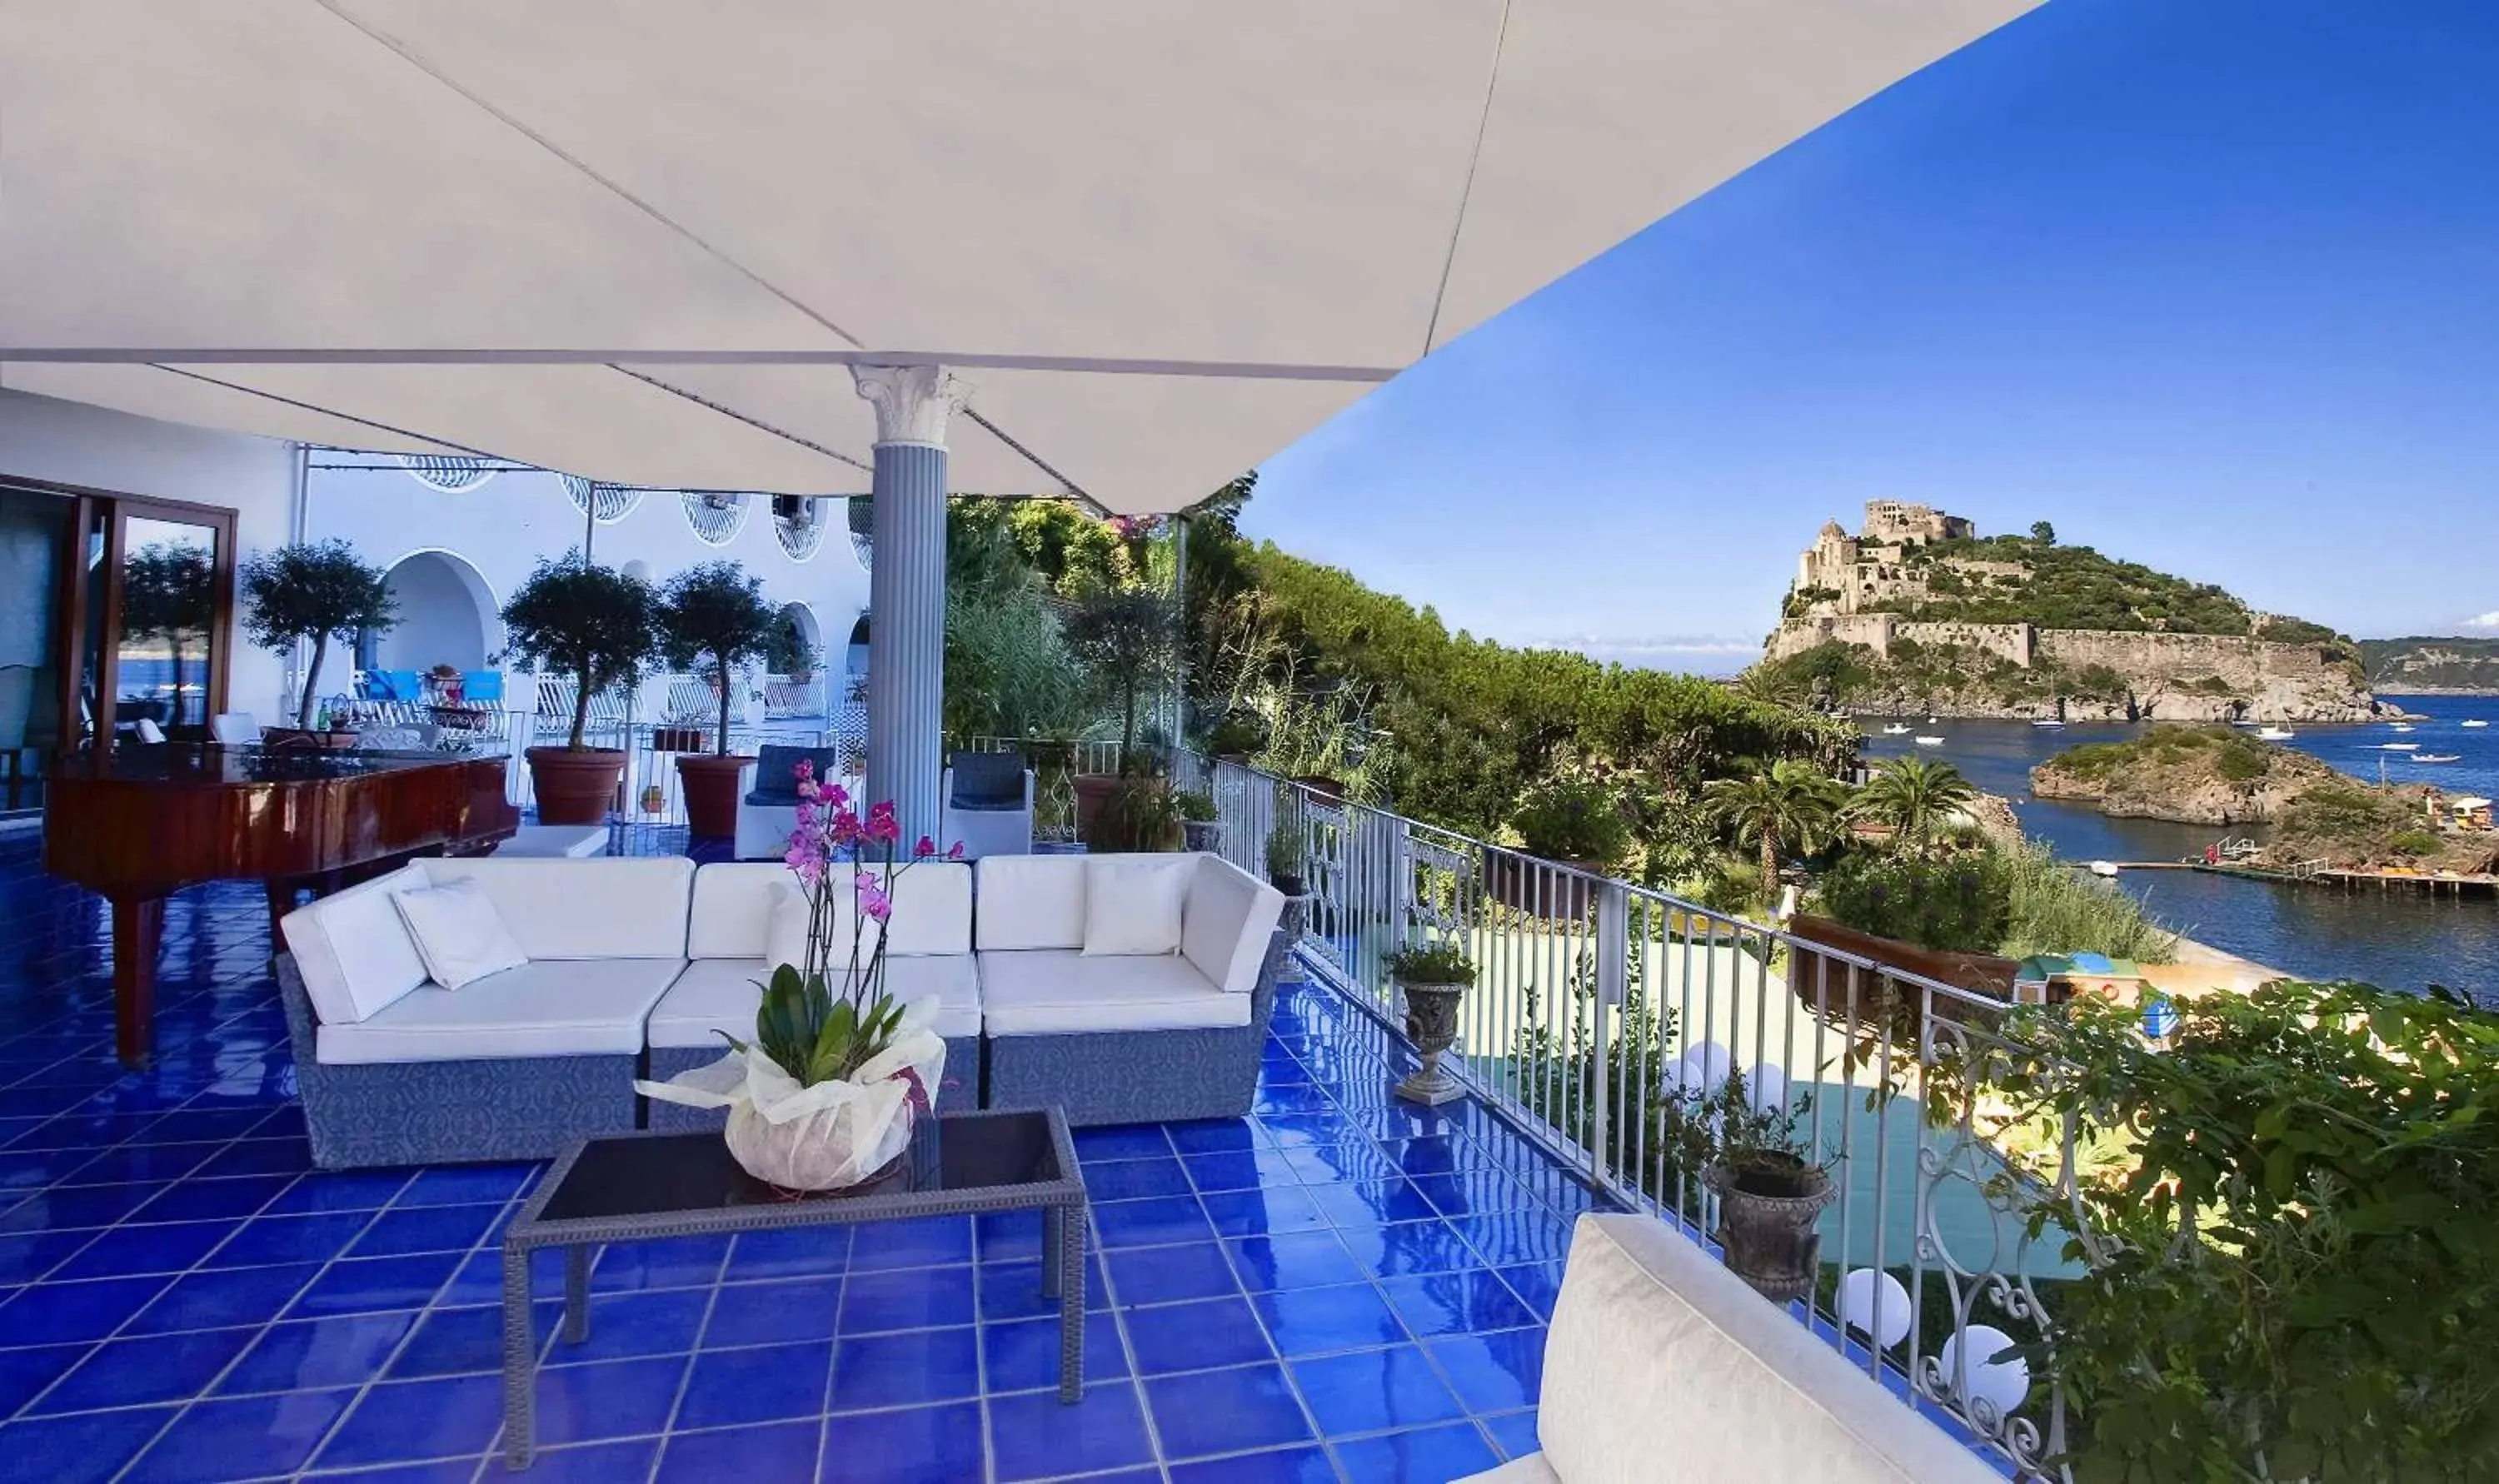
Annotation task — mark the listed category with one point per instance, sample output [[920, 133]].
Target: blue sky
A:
[[2211, 284]]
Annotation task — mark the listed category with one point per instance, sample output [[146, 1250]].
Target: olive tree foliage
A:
[[317, 591], [713, 618], [596, 624]]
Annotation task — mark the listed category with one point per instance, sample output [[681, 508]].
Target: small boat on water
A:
[[1928, 741], [2047, 724], [2403, 726], [1932, 720], [2476, 723], [2399, 746], [1897, 729], [2275, 733], [2438, 757], [2106, 869]]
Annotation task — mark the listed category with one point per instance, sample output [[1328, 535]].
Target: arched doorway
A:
[[447, 615], [798, 624]]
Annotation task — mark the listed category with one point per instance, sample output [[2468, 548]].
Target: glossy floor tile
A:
[[1338, 1287]]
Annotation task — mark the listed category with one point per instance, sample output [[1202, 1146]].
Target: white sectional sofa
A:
[[1128, 1036], [403, 1071], [929, 957], [1662, 1366], [636, 966]]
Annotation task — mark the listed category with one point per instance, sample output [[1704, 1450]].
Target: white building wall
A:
[[69, 442], [505, 526]]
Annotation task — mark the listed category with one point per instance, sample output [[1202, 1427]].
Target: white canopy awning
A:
[[640, 242]]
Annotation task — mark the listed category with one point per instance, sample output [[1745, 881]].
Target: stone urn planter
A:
[[575, 787], [1205, 835], [1431, 1024], [1767, 1210], [712, 784]]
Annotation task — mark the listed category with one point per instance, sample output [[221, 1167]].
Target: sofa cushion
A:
[[1226, 923], [1029, 902], [1657, 1351], [1061, 991], [545, 1008], [722, 995], [732, 905], [458, 932], [1132, 903], [616, 907], [353, 950], [933, 911]]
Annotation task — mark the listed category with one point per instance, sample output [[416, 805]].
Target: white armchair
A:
[[988, 805], [233, 729]]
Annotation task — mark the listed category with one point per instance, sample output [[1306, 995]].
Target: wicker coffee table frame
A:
[[1062, 1202]]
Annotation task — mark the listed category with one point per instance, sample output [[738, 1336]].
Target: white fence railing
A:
[[1595, 1001]]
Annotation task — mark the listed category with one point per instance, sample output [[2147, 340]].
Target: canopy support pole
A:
[[906, 665]]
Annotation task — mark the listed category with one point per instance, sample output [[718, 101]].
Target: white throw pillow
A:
[[785, 931], [1132, 904], [459, 934]]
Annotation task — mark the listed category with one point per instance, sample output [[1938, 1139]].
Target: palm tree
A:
[[1916, 798], [1789, 804]]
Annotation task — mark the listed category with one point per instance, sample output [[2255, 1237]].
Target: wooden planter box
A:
[[680, 740], [1861, 1000]]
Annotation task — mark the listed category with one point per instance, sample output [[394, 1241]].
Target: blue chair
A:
[[394, 686], [769, 810], [479, 686], [987, 804]]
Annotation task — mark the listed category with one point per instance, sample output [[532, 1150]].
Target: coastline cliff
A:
[[1918, 614]]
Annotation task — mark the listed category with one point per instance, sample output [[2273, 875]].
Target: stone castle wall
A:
[[2183, 659], [1879, 631]]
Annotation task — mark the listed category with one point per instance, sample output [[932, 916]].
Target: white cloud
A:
[[2490, 620]]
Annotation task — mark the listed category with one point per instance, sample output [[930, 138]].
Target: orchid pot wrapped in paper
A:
[[826, 1094]]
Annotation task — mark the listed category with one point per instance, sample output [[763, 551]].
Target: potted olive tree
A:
[[714, 620], [317, 591], [1432, 977], [1286, 851], [598, 625], [1743, 1148]]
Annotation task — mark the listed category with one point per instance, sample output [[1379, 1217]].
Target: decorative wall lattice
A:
[[799, 522], [454, 473], [605, 504], [715, 517]]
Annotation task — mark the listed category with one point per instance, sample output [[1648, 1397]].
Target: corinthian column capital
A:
[[912, 401]]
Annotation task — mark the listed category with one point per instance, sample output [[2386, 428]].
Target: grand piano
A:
[[138, 824]]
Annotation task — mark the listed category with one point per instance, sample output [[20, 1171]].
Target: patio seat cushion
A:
[[1226, 919], [353, 950], [588, 1006], [722, 995], [1061, 991], [776, 771], [986, 781], [1663, 1366], [1029, 902], [732, 908], [607, 907]]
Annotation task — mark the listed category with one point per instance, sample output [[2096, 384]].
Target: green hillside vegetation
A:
[[2431, 664], [1308, 671], [1933, 675], [2076, 586]]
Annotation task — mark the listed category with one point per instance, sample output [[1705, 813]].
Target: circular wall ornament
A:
[[605, 504], [715, 516], [452, 473]]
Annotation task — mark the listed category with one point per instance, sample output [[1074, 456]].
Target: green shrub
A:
[[1438, 962], [2297, 1259], [1573, 819], [2056, 909], [1959, 903], [2414, 842]]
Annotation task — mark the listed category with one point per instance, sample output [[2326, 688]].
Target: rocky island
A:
[[1919, 614], [2426, 666], [2214, 775]]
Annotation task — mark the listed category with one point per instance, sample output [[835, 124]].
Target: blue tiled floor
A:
[[1339, 1287]]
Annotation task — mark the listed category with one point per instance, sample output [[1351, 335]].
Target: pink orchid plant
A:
[[811, 1031]]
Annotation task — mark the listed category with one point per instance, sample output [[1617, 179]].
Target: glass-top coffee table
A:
[[646, 1188]]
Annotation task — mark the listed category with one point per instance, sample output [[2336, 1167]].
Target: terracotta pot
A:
[[1322, 786], [712, 786], [1092, 791], [1765, 1223], [575, 787]]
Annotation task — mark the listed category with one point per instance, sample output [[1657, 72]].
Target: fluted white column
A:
[[906, 653]]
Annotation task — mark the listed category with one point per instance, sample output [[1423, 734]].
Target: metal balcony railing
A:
[[1596, 1000]]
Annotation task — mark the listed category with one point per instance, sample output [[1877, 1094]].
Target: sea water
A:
[[2400, 938]]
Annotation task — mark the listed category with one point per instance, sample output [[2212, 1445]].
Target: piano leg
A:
[[136, 925]]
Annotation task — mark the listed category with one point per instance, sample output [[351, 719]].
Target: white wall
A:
[[442, 620], [72, 444], [503, 526]]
